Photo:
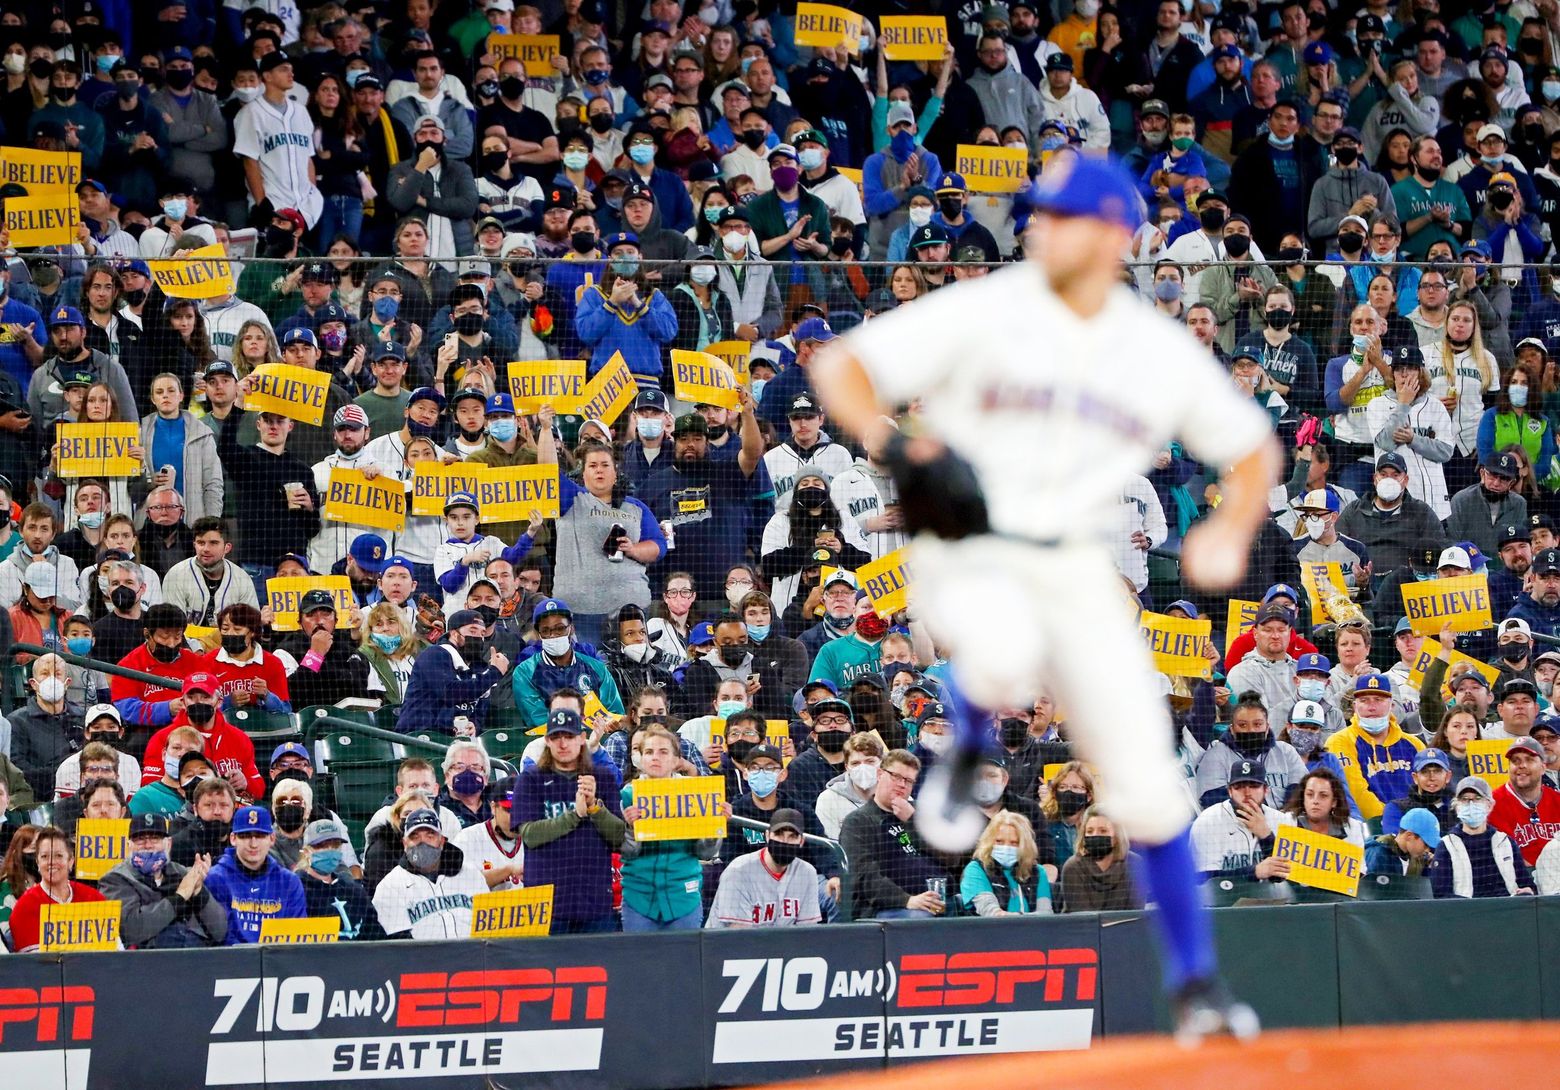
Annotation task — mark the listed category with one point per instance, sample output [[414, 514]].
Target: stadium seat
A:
[[13, 687], [1307, 895], [265, 726], [319, 711], [1164, 578], [332, 746], [361, 789], [504, 742], [387, 717], [1224, 892], [1394, 887]]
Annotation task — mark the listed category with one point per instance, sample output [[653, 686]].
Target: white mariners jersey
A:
[[1220, 841], [429, 910], [483, 848], [751, 895], [224, 320], [1058, 414], [281, 140]]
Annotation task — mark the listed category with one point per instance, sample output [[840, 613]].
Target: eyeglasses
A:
[[465, 768], [748, 734], [831, 721], [678, 593], [1381, 236], [166, 507], [899, 778]]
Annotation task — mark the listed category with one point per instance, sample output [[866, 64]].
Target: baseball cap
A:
[[1489, 129], [1320, 499], [560, 196], [548, 606], [396, 562], [1093, 188], [461, 618], [804, 404], [300, 335], [99, 711], [460, 499], [638, 190], [1535, 342], [331, 312], [421, 819], [933, 709], [324, 831], [951, 182], [1407, 355], [65, 316], [1503, 178], [1454, 556], [764, 749], [1154, 106], [320, 272], [1501, 463], [314, 600], [841, 575], [42, 578], [368, 82], [252, 821], [1318, 53], [1280, 590], [930, 234], [274, 59], [298, 558], [782, 149], [499, 404], [1309, 712], [1313, 664], [1517, 686], [426, 393], [219, 367], [1548, 723], [1480, 247], [1392, 460], [1477, 786], [390, 350], [652, 399], [621, 238], [814, 329], [900, 113], [1187, 607], [1275, 613], [1224, 51], [1514, 624], [200, 682], [290, 749], [701, 634], [1427, 758], [1246, 771], [368, 552], [192, 757], [1061, 62], [1546, 562], [831, 704], [564, 721], [1423, 824], [787, 818], [1373, 683], [350, 416], [690, 424], [153, 823]]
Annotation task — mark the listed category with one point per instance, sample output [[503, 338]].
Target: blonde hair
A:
[[402, 625], [408, 801], [1048, 807], [291, 788], [1119, 851], [867, 743], [1028, 852], [272, 351], [686, 117], [1476, 350]]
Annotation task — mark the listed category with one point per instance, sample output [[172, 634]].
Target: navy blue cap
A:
[[1313, 664], [500, 403], [549, 606], [460, 499], [1082, 186], [1244, 771], [564, 721], [65, 316], [331, 312], [368, 552], [427, 393], [300, 335], [622, 238], [391, 351]]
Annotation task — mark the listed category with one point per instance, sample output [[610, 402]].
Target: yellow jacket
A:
[[1074, 36], [1377, 768]]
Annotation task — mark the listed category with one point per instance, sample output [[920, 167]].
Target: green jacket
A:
[[663, 879], [767, 218]]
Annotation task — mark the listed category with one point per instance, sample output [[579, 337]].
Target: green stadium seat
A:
[[13, 686], [271, 727], [1164, 577], [1307, 895], [510, 719], [1224, 892], [387, 717], [1394, 887], [318, 711], [361, 788], [504, 742], [332, 746]]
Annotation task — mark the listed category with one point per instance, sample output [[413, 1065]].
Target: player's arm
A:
[[845, 387], [1214, 554]]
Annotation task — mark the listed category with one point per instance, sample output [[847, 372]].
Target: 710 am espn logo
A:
[[48, 1011]]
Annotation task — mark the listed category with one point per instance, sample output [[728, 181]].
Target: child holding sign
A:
[[56, 861], [662, 880]]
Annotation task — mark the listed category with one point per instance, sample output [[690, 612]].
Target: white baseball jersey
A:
[[447, 557], [1433, 443], [1221, 842], [225, 319], [786, 463], [281, 140], [438, 909], [1057, 414], [482, 847], [285, 10], [752, 895]]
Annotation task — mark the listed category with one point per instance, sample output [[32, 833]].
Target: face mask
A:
[[16, 63], [1279, 319], [334, 340], [51, 690], [1389, 489], [1013, 732], [871, 626], [1550, 88], [725, 709], [1282, 143], [290, 815], [1473, 813], [423, 857], [1519, 395], [936, 744], [784, 177], [127, 89], [985, 792], [200, 714], [1351, 242], [468, 325], [235, 645], [79, 645], [839, 624], [1312, 688], [1237, 245], [863, 777], [1501, 200], [739, 750], [419, 430], [1252, 744], [1315, 527], [1386, 258], [649, 427], [1099, 847], [1211, 218], [1167, 291], [325, 860], [1429, 174], [30, 865], [468, 782], [736, 592], [1003, 855], [556, 646], [1018, 145], [896, 695], [625, 266], [702, 274], [902, 145], [920, 217], [504, 429], [176, 210], [1304, 739], [639, 652], [1374, 724], [583, 241], [164, 654], [763, 782], [832, 741], [509, 87], [733, 654], [810, 158], [1182, 143], [149, 863], [783, 854], [389, 643], [63, 95], [574, 160], [597, 76], [123, 599], [493, 161], [1514, 652], [951, 207], [642, 153], [734, 242], [1069, 803], [601, 122], [386, 307], [91, 519], [278, 240], [758, 388]]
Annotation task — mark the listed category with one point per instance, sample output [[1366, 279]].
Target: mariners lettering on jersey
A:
[[276, 140], [787, 908], [864, 507], [256, 908], [442, 902], [691, 504], [1008, 397]]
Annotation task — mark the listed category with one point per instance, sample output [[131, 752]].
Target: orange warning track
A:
[[1377, 1057]]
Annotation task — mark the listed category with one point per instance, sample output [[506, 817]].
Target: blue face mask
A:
[[503, 429], [1004, 855], [325, 860], [1373, 724], [758, 388], [1492, 160], [1051, 143], [386, 307], [468, 782], [727, 708], [649, 427], [625, 266], [1518, 395], [148, 862], [763, 782], [1312, 689], [597, 76], [712, 212], [79, 645], [1281, 143], [176, 210], [642, 153], [106, 62], [810, 158], [389, 643], [759, 632], [902, 145]]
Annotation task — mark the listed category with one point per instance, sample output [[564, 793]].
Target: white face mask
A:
[[936, 744], [863, 777], [1389, 489], [639, 652], [16, 63], [736, 592], [556, 646], [246, 94], [920, 217], [51, 690], [702, 274], [734, 242], [1316, 527]]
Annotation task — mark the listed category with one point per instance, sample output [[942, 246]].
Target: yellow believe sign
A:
[[98, 450], [828, 27], [1320, 861], [512, 913], [294, 392], [887, 582], [1177, 644], [100, 846], [302, 931], [205, 273], [285, 592], [352, 497], [81, 925], [913, 37], [1463, 601], [559, 383], [703, 379], [992, 170], [684, 808]]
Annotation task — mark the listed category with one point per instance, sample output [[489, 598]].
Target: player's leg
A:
[[1119, 722]]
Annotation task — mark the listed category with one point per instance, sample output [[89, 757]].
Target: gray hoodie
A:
[[1275, 681], [837, 802], [1335, 193]]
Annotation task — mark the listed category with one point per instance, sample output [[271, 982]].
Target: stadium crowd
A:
[[1351, 209]]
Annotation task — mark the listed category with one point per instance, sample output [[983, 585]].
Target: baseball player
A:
[[1047, 388], [274, 138]]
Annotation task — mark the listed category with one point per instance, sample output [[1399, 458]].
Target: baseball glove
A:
[[940, 495]]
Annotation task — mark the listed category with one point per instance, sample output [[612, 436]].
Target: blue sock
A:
[[971, 725], [1185, 935]]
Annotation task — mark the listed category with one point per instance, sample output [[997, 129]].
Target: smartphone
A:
[[609, 547]]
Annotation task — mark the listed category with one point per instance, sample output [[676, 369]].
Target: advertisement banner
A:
[[1463, 601], [1320, 861], [685, 808], [98, 450], [100, 846], [354, 498]]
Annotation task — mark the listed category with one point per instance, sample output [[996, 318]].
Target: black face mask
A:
[[468, 325], [179, 79], [1013, 732], [474, 649], [122, 598], [810, 498], [1501, 200], [493, 161], [425, 145], [278, 240], [30, 866], [1237, 245], [1279, 319], [1291, 255], [733, 654], [209, 834], [1514, 652], [754, 138], [1069, 803], [512, 87], [841, 245], [58, 39], [1346, 156], [291, 816], [235, 645], [128, 89], [601, 122], [1350, 242], [135, 298], [1211, 218], [739, 750], [1429, 174], [488, 88], [1098, 846], [200, 714], [832, 741], [163, 654], [782, 854], [108, 739], [952, 207], [63, 95], [488, 614], [40, 69], [1251, 744], [582, 241]]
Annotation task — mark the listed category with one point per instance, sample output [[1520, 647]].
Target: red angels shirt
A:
[[1530, 828], [234, 676], [226, 748]]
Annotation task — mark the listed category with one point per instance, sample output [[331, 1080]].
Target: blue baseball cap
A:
[[500, 403], [564, 721], [368, 552], [397, 562], [461, 499], [65, 316], [951, 182], [1222, 51], [1308, 664], [390, 351], [178, 53], [1280, 590], [622, 238], [1480, 247], [331, 312], [1186, 607], [1422, 823], [702, 633], [300, 335], [549, 606], [252, 821], [1432, 756], [136, 265], [421, 819], [1315, 53], [814, 329], [1247, 771], [1374, 683], [1093, 188], [291, 749], [426, 393]]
